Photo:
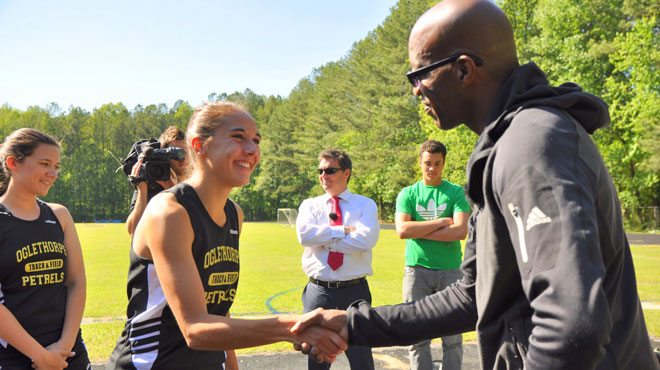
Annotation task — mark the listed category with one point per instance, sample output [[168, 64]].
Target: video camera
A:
[[155, 161]]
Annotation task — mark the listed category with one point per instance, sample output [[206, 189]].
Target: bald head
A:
[[474, 27], [468, 50]]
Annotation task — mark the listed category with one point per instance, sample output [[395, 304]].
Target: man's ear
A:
[[466, 70]]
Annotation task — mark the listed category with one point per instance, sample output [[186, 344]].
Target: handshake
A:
[[321, 334]]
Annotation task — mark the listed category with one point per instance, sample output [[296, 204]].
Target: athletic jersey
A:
[[32, 275], [151, 338]]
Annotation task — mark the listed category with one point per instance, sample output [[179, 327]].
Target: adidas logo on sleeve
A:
[[536, 217]]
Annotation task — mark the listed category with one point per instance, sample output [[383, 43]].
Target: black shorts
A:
[[80, 361]]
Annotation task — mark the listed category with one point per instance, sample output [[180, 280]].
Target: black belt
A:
[[337, 284]]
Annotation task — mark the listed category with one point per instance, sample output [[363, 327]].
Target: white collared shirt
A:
[[319, 238]]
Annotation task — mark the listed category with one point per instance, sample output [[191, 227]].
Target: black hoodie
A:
[[548, 280]]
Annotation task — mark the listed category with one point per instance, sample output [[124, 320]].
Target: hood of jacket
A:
[[528, 87]]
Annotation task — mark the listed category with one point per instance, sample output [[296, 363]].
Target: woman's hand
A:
[[60, 344], [52, 358], [327, 344]]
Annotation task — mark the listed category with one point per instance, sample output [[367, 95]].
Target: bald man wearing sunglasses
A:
[[337, 230], [548, 276]]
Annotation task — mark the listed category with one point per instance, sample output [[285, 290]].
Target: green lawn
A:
[[271, 279], [647, 260]]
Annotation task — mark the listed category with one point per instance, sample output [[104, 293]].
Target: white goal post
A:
[[287, 216]]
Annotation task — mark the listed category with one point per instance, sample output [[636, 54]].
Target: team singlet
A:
[[32, 278], [151, 338]]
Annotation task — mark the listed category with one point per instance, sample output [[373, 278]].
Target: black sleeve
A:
[[451, 311], [548, 199]]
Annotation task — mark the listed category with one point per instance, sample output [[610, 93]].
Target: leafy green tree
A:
[[362, 104], [631, 146], [521, 14], [283, 177], [597, 44]]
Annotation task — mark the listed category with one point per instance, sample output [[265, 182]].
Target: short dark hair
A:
[[433, 146], [171, 134], [342, 158]]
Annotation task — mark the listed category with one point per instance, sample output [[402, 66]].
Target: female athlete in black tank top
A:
[[185, 249], [42, 278]]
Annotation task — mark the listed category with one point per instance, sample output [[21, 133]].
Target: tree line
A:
[[363, 104]]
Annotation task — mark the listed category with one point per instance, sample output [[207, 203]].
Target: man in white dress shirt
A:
[[338, 230]]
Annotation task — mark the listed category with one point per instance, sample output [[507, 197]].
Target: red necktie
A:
[[335, 259]]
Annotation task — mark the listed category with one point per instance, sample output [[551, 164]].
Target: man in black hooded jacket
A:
[[548, 277]]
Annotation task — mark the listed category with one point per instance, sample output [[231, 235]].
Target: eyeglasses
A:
[[329, 170], [416, 76]]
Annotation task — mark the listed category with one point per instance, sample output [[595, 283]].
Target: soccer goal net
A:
[[287, 216]]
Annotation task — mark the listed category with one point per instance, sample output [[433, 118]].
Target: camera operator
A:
[[171, 137]]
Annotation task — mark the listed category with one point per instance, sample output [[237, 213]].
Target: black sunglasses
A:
[[329, 170], [415, 76]]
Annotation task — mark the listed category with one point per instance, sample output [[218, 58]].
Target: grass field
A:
[[271, 279]]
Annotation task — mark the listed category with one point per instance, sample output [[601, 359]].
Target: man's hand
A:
[[348, 229], [135, 173], [334, 320], [326, 344]]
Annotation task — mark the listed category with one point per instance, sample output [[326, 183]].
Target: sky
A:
[[87, 53]]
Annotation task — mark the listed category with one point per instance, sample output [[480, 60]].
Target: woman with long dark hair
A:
[[42, 276]]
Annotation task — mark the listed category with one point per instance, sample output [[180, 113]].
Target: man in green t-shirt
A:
[[432, 216]]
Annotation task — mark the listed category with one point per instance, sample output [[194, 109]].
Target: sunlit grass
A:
[[271, 279], [652, 318], [647, 260], [105, 249], [100, 338]]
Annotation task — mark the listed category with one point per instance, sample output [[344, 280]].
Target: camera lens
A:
[[157, 172]]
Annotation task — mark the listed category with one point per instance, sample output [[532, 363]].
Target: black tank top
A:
[[151, 338], [32, 275]]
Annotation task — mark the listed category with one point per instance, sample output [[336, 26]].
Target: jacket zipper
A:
[[515, 212], [521, 352]]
